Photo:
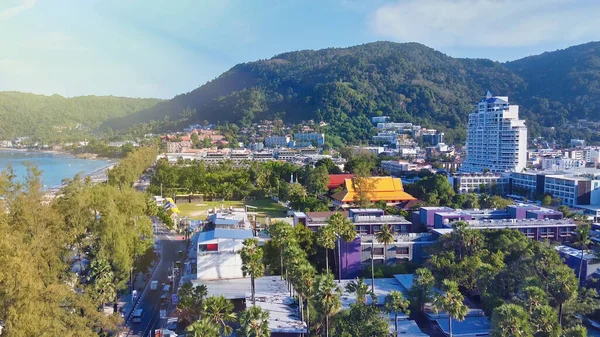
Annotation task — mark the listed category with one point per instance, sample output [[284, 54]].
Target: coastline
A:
[[85, 155]]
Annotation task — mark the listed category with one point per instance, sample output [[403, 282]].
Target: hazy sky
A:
[[152, 48]]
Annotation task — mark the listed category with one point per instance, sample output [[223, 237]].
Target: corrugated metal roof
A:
[[222, 233]]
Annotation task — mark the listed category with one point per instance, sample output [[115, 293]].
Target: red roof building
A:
[[337, 180]]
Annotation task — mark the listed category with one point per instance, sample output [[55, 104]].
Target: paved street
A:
[[149, 301]]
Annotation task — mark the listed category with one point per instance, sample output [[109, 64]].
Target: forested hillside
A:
[[409, 82], [55, 117]]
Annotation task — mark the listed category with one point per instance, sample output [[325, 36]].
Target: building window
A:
[[376, 228], [402, 250], [378, 251]]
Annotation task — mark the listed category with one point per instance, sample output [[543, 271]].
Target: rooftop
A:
[[575, 253], [220, 233], [518, 223]]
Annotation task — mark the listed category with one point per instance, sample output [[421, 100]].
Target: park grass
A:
[[197, 210]]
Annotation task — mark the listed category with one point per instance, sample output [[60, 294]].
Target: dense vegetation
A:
[[409, 82], [521, 283], [62, 260], [56, 118]]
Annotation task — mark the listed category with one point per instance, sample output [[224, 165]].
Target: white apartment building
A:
[[396, 167], [386, 137], [474, 182], [562, 163], [496, 137], [277, 141]]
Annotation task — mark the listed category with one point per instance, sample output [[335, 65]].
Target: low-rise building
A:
[[495, 183], [562, 163], [218, 253], [277, 141], [573, 257], [386, 189], [309, 139]]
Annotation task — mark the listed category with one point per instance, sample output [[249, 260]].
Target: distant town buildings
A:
[[277, 141], [496, 137]]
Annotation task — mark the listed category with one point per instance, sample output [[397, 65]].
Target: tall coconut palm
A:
[[361, 290], [280, 232], [203, 328], [306, 287], [252, 264], [344, 230], [219, 311], [326, 239], [511, 320], [451, 302], [562, 286], [385, 236], [394, 303], [191, 301], [327, 298], [254, 322], [583, 241]]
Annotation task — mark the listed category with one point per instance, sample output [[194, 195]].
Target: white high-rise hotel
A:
[[496, 137]]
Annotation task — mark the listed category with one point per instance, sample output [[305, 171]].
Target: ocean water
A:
[[54, 167]]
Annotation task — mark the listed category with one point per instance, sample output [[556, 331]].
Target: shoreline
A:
[[87, 156]]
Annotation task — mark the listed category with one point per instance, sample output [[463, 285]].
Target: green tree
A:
[[421, 291], [252, 264], [451, 302], [327, 298], [544, 321], [575, 331], [394, 303], [280, 233], [326, 239], [361, 290], [547, 201], [361, 320], [203, 328], [344, 230], [254, 322], [562, 286], [194, 139], [220, 311], [385, 236], [191, 301], [511, 320], [317, 181], [583, 241], [565, 210]]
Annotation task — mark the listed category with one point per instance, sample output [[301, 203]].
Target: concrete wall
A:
[[219, 265]]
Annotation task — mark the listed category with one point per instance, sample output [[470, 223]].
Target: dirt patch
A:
[[200, 205], [197, 213]]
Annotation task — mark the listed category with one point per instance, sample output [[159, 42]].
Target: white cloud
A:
[[8, 13], [487, 23]]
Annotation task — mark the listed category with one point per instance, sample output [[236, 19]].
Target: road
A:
[[170, 245]]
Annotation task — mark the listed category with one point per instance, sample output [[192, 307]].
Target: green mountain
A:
[[55, 117], [407, 81]]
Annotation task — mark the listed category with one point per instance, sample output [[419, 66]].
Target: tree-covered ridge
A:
[[53, 117], [407, 81]]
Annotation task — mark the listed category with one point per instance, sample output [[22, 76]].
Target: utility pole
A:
[[372, 263], [161, 190]]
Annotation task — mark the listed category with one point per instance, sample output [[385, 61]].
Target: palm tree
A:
[[219, 311], [306, 281], [361, 290], [326, 239], [280, 232], [254, 322], [394, 303], [252, 263], [562, 286], [327, 295], [511, 320], [451, 302], [385, 236], [343, 229], [583, 240], [203, 328], [191, 301]]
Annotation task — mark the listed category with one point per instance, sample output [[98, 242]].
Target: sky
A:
[[152, 48]]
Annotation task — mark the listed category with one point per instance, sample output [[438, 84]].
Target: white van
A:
[[137, 316], [153, 285]]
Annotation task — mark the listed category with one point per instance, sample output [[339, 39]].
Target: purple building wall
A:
[[353, 269], [427, 214], [520, 212], [439, 218], [544, 214]]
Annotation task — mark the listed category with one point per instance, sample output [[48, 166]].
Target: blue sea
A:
[[54, 167]]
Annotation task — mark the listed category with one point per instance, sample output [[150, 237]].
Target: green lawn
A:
[[197, 210]]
